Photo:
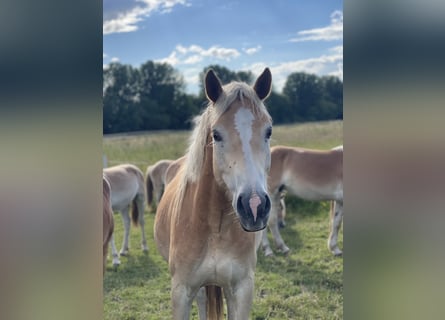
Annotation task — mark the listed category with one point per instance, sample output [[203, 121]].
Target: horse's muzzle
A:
[[253, 211]]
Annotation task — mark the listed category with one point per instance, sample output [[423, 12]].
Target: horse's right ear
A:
[[213, 86], [263, 84]]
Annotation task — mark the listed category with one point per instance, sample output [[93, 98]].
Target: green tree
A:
[[225, 75], [279, 108], [333, 95], [304, 92], [161, 101], [120, 93]]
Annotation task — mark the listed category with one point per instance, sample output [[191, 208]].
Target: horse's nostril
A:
[[268, 205], [239, 204]]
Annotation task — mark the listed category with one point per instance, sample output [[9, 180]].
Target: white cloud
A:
[[252, 50], [195, 54], [104, 55], [332, 32], [337, 49], [114, 59], [171, 59], [127, 21], [193, 59], [328, 64]]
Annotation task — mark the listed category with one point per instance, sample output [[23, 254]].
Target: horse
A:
[[172, 169], [155, 180], [282, 210], [208, 222], [127, 189], [108, 222], [310, 175]]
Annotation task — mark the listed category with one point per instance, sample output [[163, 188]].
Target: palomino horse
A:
[[127, 188], [108, 222], [155, 180], [206, 222], [310, 175]]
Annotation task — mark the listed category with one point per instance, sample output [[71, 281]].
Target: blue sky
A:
[[287, 36]]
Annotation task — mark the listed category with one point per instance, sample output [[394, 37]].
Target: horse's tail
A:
[[214, 303], [149, 185], [135, 212]]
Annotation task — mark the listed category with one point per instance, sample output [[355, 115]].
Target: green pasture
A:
[[305, 284]]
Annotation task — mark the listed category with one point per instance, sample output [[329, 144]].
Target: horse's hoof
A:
[[338, 254], [284, 250], [268, 252], [123, 254]]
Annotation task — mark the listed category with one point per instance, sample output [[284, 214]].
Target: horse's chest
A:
[[221, 264], [219, 267]]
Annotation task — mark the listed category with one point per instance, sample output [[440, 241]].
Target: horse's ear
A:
[[263, 84], [213, 86]]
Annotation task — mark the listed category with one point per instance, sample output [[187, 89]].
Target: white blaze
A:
[[243, 124]]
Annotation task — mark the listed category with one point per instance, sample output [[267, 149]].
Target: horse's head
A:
[[240, 133]]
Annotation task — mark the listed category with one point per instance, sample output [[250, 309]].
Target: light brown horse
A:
[[310, 175], [127, 189], [206, 222], [172, 169], [155, 180], [108, 222]]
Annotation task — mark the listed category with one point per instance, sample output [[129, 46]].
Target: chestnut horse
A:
[[207, 220], [108, 222], [310, 175], [155, 180], [127, 189]]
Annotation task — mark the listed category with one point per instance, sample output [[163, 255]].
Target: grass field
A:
[[306, 284]]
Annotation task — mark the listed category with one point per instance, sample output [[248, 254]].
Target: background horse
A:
[[127, 189], [172, 169], [108, 222], [155, 180], [207, 218], [310, 175]]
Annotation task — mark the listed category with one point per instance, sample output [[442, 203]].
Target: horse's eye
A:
[[268, 133], [216, 136]]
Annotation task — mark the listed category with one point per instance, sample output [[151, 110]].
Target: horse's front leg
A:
[[336, 220], [201, 301], [265, 243], [239, 298], [273, 225], [182, 298], [114, 253]]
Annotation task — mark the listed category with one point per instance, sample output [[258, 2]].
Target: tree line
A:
[[153, 97]]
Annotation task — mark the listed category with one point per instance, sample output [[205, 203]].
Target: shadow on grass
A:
[[134, 270], [310, 271]]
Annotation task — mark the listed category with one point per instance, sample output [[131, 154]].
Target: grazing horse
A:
[[155, 180], [127, 189], [310, 175], [108, 222], [206, 222]]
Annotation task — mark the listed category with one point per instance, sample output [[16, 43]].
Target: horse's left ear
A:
[[263, 84], [213, 86]]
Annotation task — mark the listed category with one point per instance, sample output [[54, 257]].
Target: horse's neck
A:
[[213, 205]]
